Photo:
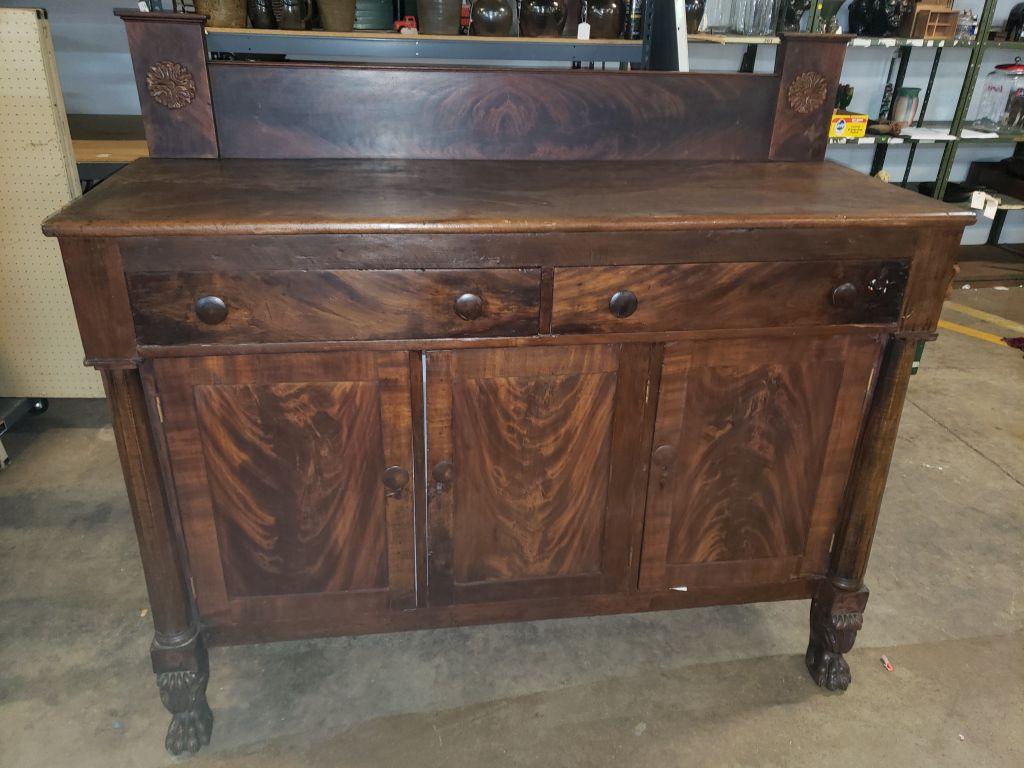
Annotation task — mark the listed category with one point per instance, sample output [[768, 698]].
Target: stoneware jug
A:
[[439, 17], [337, 15], [261, 14], [293, 14]]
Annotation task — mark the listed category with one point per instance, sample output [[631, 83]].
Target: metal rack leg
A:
[[997, 227]]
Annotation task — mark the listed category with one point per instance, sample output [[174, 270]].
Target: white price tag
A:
[[861, 42], [143, 6], [984, 202], [991, 205], [583, 31], [917, 43]]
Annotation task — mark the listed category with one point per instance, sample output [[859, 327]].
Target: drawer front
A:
[[314, 305], [667, 297]]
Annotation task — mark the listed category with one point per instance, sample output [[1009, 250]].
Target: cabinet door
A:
[[752, 448], [293, 476], [535, 486]]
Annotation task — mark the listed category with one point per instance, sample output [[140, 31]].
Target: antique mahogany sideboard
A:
[[391, 348]]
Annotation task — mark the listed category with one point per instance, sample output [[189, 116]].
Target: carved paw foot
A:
[[836, 616], [189, 730], [828, 670], [183, 693]]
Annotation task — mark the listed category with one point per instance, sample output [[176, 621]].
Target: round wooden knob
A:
[[665, 455], [443, 472], [211, 309], [845, 296], [395, 479], [469, 306], [623, 303]]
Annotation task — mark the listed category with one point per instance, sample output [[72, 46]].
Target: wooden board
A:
[[278, 464], [267, 197], [109, 150], [311, 305], [736, 295], [752, 450], [325, 111], [538, 495]]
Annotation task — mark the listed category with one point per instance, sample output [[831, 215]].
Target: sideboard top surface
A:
[[280, 197]]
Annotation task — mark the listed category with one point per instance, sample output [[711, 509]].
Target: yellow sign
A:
[[847, 125]]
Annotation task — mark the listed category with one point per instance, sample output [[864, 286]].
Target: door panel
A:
[[753, 443], [537, 488], [281, 471], [297, 495]]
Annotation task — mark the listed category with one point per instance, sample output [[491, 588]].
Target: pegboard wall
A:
[[40, 349]]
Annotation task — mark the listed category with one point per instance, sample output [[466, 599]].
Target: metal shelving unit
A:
[[902, 49], [391, 45]]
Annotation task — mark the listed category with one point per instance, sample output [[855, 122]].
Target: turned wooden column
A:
[[837, 611], [178, 653]]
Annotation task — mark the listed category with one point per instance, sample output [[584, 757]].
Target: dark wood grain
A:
[[278, 463], [277, 197], [506, 342], [294, 473], [100, 298], [299, 110], [863, 498], [762, 434], [799, 132], [283, 305], [163, 565], [536, 506], [178, 39], [931, 274], [492, 251], [260, 623], [703, 296]]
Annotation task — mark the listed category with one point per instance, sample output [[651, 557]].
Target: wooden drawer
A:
[[313, 305], [665, 297]]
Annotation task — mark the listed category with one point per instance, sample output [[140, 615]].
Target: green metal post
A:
[[960, 114]]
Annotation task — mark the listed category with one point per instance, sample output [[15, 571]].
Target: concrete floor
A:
[[717, 686]]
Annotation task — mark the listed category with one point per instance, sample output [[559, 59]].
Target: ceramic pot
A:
[[694, 15], [261, 14], [439, 17], [222, 13], [542, 18], [605, 18], [905, 109], [491, 17], [293, 14], [337, 15]]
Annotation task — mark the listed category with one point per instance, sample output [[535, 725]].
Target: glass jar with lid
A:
[[1001, 107]]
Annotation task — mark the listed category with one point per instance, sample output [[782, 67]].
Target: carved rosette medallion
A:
[[171, 84], [807, 92]]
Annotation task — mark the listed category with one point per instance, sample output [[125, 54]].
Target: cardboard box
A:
[[847, 125]]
